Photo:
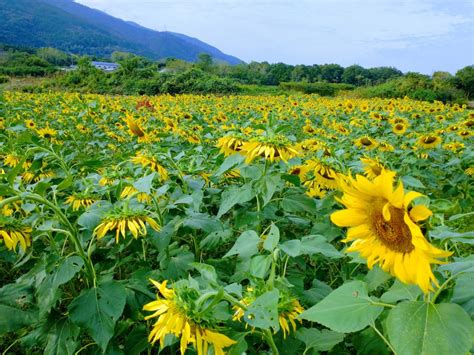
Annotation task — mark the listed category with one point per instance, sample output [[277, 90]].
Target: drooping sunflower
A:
[[383, 228], [229, 145], [11, 160], [289, 308], [13, 233], [78, 201], [174, 316], [145, 159], [123, 221], [129, 191], [271, 149], [134, 127]]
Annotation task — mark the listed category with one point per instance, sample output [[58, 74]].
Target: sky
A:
[[411, 35]]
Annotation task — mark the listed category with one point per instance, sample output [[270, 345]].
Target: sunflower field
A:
[[238, 224]]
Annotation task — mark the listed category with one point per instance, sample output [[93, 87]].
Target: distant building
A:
[[105, 66]]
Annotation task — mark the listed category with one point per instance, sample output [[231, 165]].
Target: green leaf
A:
[[235, 195], [421, 328], [202, 221], [145, 183], [412, 182], [62, 338], [376, 277], [98, 309], [12, 318], [229, 163], [401, 292], [298, 203], [291, 247], [259, 265], [463, 292], [263, 312], [459, 265], [346, 309], [207, 271], [319, 340], [48, 293], [272, 239], [368, 342], [268, 186], [245, 246], [314, 244]]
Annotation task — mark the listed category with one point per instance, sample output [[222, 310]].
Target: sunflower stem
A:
[[70, 228], [383, 338], [382, 304], [437, 293], [269, 337]]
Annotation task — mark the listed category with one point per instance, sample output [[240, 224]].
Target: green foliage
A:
[[424, 328], [323, 89], [464, 80], [417, 86]]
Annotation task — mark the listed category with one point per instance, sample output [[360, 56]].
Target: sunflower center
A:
[[366, 141], [395, 233], [429, 140]]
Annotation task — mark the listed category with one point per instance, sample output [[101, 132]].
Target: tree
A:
[[464, 80], [331, 73], [355, 75], [54, 56], [205, 62]]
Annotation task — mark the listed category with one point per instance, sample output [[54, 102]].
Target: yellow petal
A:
[[420, 213]]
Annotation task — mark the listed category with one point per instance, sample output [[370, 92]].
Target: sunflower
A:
[[13, 233], [229, 145], [129, 191], [399, 128], [30, 124], [429, 141], [121, 221], [366, 142], [372, 167], [145, 160], [289, 308], [174, 316], [454, 147], [273, 149], [383, 229], [11, 160], [469, 171], [79, 200], [325, 176], [464, 134], [47, 133], [134, 127]]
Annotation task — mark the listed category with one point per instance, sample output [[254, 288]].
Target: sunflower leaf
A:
[[97, 309], [346, 309], [425, 328]]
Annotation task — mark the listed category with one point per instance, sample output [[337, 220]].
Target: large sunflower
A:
[[383, 229]]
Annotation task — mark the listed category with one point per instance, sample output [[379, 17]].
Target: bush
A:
[[323, 89], [4, 79]]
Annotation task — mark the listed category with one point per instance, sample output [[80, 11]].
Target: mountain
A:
[[78, 29]]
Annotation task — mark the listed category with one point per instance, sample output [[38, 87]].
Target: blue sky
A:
[[413, 35]]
